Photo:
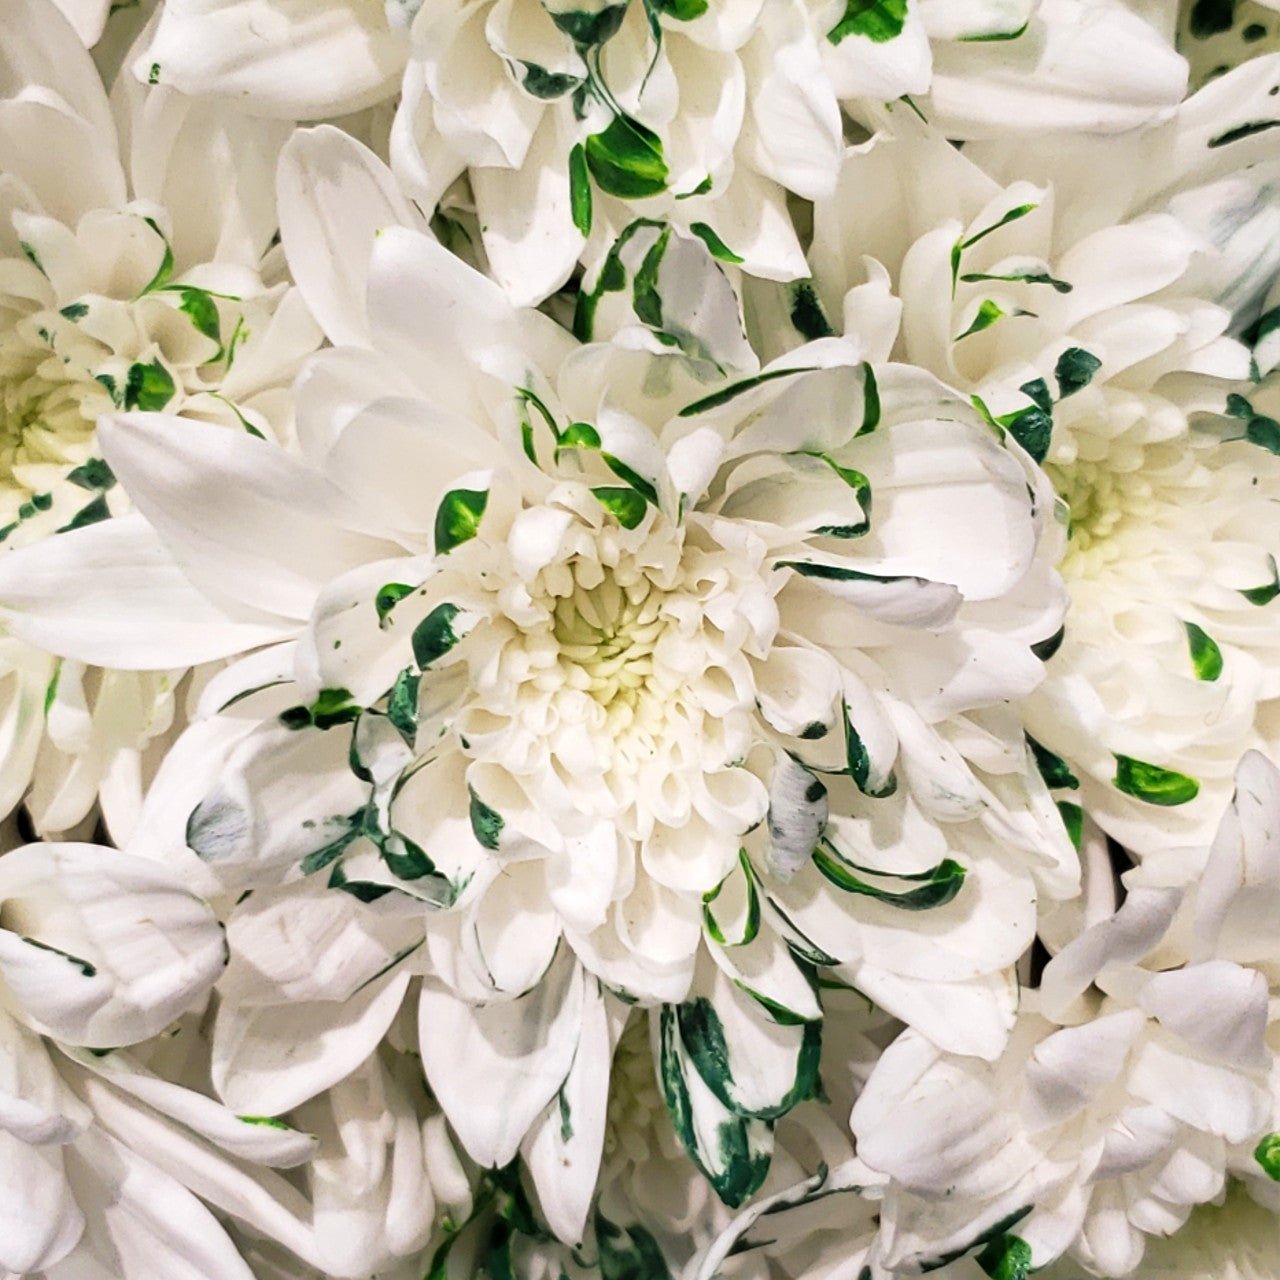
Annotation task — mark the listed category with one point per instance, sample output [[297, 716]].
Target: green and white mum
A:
[[1141, 1077], [1121, 337], [132, 275], [573, 117], [602, 679], [97, 949], [108, 1133]]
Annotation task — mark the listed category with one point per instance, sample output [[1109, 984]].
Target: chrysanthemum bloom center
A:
[[611, 677], [607, 637], [1124, 478], [46, 416]]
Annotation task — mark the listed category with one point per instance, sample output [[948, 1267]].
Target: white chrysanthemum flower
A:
[[1139, 1076], [97, 949], [603, 678], [1092, 316], [108, 1133], [130, 275], [573, 117]]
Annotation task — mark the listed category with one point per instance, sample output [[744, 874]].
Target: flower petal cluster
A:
[[1117, 347], [572, 117], [1138, 1079], [637, 639], [574, 669], [133, 274]]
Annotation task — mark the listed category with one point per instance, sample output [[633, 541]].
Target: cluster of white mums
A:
[[638, 640]]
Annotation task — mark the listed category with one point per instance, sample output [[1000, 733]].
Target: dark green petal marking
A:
[[165, 270], [1209, 17], [625, 505], [861, 487], [389, 596], [1045, 649], [645, 298], [1074, 370], [877, 20], [1032, 427], [989, 312], [631, 477], [458, 518], [1152, 784], [1073, 819], [94, 474], [1053, 768], [148, 387], [680, 10], [627, 1253], [580, 435], [713, 242], [28, 252], [434, 636], [586, 28], [1007, 1257], [543, 84], [332, 707], [1018, 211], [940, 884], [1206, 657], [1267, 1154], [957, 249], [1265, 325], [580, 189], [993, 1232], [1019, 277], [267, 1122], [735, 389], [91, 513], [870, 401], [486, 823], [200, 308], [402, 705], [751, 926], [994, 36], [87, 969], [1243, 131], [807, 316], [1266, 593], [625, 158]]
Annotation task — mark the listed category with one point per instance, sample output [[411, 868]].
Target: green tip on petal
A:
[[1152, 784]]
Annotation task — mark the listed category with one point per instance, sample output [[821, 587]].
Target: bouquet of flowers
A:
[[639, 639]]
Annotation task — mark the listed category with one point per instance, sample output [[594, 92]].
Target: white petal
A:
[[102, 948], [113, 595], [335, 196], [243, 517], [562, 1149], [268, 54], [267, 1060], [495, 1067]]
